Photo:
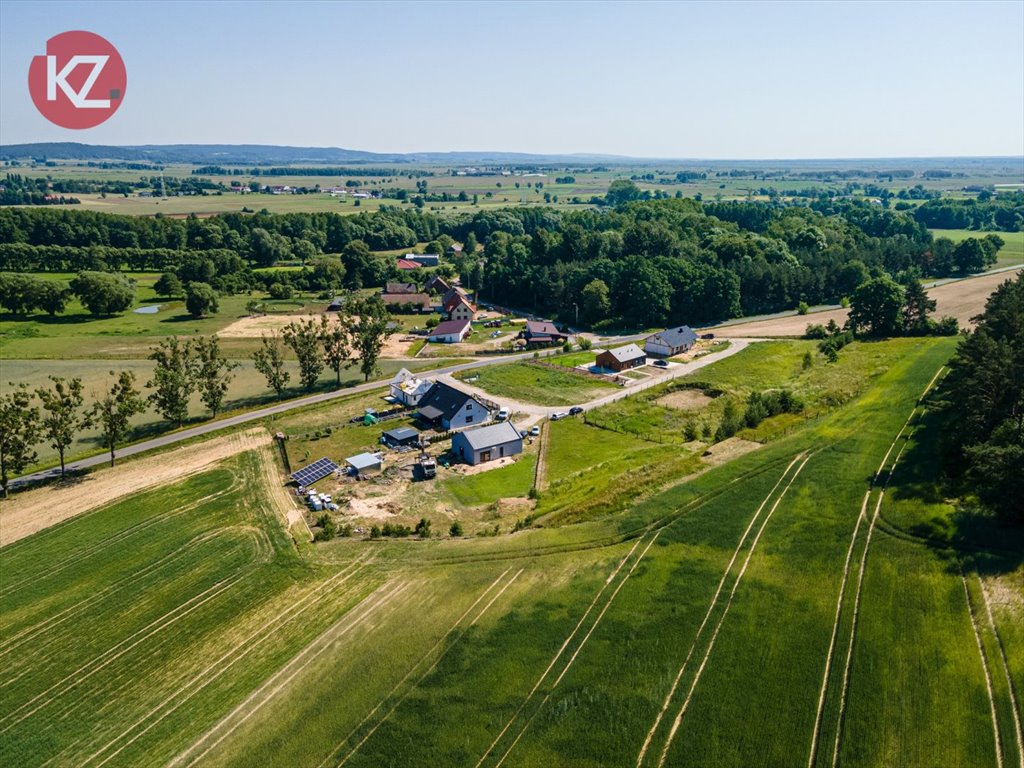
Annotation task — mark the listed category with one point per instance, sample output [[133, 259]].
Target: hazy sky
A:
[[687, 79]]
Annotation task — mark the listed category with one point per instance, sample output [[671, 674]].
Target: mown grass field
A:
[[690, 626], [1011, 254], [530, 383]]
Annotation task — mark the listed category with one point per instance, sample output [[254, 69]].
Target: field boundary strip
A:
[[579, 649], [711, 608], [1014, 705], [427, 672], [725, 612], [985, 669], [232, 656]]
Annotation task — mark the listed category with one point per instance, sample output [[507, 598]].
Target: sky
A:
[[725, 80]]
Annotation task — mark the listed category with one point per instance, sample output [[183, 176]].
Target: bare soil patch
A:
[[487, 466], [254, 327], [727, 450], [685, 400], [33, 511], [962, 299]]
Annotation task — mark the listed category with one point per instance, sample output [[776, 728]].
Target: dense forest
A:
[[639, 262]]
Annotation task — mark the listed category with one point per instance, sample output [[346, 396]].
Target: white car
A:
[[559, 415], [503, 414], [535, 430]]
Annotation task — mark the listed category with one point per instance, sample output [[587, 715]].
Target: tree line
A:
[[183, 368]]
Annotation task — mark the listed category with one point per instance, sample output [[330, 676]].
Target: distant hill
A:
[[263, 154]]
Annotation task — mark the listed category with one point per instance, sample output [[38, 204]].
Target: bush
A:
[[763, 405], [802, 308], [730, 423], [433, 321], [455, 530], [808, 359], [200, 300], [585, 344], [690, 432], [423, 528], [815, 331], [280, 291], [947, 326]]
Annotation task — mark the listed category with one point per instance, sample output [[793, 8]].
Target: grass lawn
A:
[[514, 480], [538, 384]]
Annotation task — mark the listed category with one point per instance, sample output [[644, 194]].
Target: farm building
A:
[[407, 389], [454, 249], [418, 302], [424, 259], [458, 307], [670, 342], [451, 331], [542, 332], [406, 264], [495, 441], [622, 358], [390, 288], [366, 463], [336, 305], [400, 437], [437, 284], [451, 408]]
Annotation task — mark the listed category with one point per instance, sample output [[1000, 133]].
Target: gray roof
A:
[[364, 461], [675, 337], [492, 434], [401, 433], [626, 353]]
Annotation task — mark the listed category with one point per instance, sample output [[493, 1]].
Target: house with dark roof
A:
[[400, 288], [542, 332], [494, 441], [622, 358], [670, 342], [450, 331], [437, 284], [446, 407], [400, 437]]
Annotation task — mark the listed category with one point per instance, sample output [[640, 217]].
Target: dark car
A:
[[707, 336], [661, 363], [575, 410]]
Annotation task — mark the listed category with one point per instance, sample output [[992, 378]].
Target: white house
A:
[[451, 331], [670, 342], [407, 389]]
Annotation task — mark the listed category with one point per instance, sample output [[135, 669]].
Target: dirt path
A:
[[962, 299], [540, 481], [33, 511], [283, 502]]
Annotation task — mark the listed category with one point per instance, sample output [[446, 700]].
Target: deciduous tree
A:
[[19, 431], [303, 336], [368, 332], [115, 410], [174, 378], [269, 360], [213, 373], [62, 413]]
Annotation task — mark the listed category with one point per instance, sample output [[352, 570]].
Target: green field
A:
[[542, 385], [688, 626]]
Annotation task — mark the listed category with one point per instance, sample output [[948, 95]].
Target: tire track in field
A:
[[426, 673], [1014, 705], [561, 650], [872, 524], [30, 633], [579, 648], [988, 676], [235, 654], [725, 612], [323, 642], [99, 662], [707, 615]]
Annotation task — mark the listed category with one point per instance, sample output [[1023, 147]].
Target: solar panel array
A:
[[315, 471]]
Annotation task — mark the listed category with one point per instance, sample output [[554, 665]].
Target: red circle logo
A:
[[80, 82]]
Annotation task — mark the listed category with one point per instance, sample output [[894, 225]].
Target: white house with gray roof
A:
[[494, 441], [670, 342]]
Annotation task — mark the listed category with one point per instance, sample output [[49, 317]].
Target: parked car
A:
[[707, 336], [503, 414], [575, 410], [535, 430], [559, 415], [661, 363]]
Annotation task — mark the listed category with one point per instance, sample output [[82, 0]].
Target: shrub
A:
[[280, 291], [802, 307], [815, 331], [455, 530], [585, 344], [423, 528]]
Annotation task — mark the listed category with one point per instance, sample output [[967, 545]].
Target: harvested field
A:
[[962, 299], [254, 327], [32, 511], [685, 400]]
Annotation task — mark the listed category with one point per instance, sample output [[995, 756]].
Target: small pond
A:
[[150, 309]]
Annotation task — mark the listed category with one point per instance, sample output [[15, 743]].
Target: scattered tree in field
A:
[[62, 414], [169, 286], [269, 360], [369, 332], [303, 336], [875, 307], [334, 337], [52, 297], [103, 293], [19, 431], [280, 290], [200, 300], [213, 373], [916, 308], [730, 424], [174, 379], [114, 411], [971, 256], [455, 530], [423, 528]]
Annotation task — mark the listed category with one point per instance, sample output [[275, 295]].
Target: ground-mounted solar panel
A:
[[316, 471]]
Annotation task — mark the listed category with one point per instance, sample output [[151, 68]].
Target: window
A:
[[469, 419]]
